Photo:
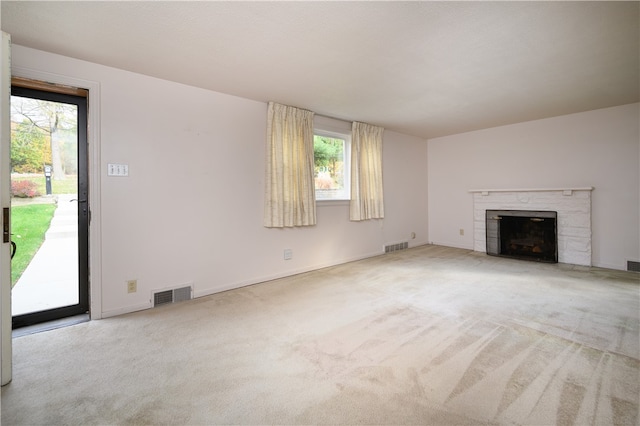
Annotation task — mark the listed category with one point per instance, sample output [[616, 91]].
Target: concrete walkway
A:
[[51, 279]]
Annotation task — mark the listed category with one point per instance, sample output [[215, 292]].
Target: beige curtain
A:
[[367, 201], [290, 194]]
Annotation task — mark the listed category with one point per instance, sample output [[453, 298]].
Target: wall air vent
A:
[[171, 296], [633, 266], [162, 297], [396, 247]]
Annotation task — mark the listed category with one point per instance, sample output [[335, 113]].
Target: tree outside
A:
[[43, 132], [328, 162], [30, 148]]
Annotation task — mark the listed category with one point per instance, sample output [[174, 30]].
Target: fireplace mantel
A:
[[487, 191]]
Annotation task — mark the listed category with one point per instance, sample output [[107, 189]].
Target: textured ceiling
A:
[[422, 68]]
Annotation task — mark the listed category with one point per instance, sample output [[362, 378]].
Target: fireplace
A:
[[522, 234], [573, 219]]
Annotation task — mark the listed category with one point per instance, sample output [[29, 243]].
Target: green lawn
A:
[[28, 226], [67, 185]]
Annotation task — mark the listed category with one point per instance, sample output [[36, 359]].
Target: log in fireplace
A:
[[523, 234]]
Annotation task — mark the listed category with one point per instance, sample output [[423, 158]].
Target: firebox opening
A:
[[522, 234]]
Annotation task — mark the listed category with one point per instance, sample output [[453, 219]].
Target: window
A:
[[331, 165]]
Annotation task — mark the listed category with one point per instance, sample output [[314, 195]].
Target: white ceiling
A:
[[422, 68]]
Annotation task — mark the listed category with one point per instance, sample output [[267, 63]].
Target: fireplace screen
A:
[[522, 234]]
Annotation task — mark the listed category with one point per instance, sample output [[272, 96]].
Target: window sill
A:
[[331, 203]]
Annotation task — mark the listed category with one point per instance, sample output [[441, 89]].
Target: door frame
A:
[[94, 172], [51, 93], [5, 202]]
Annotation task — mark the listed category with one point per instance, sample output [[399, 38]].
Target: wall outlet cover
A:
[[117, 169]]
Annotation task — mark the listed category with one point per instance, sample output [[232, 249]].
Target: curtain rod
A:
[[321, 115], [333, 118]]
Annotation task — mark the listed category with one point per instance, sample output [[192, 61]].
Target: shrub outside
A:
[[24, 189]]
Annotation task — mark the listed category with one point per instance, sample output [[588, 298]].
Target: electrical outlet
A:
[[413, 235], [288, 254], [461, 231], [132, 286]]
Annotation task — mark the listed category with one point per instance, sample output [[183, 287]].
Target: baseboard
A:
[[417, 244], [453, 245], [621, 267], [126, 310], [239, 284], [289, 273]]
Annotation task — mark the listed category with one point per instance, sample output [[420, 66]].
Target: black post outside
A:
[[47, 176]]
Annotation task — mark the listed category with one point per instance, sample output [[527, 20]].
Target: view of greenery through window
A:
[[329, 167], [43, 132]]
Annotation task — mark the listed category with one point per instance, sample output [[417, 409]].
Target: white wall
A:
[[191, 209], [405, 189], [597, 148]]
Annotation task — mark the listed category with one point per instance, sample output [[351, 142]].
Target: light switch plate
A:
[[117, 169]]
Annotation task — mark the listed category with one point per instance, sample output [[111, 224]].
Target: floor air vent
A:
[[171, 296], [633, 266], [395, 247]]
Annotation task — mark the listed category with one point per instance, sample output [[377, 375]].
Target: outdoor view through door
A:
[[49, 205]]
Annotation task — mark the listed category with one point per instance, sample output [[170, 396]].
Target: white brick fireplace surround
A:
[[574, 216]]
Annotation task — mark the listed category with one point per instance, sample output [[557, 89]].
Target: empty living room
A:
[[321, 212]]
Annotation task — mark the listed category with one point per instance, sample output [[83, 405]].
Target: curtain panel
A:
[[367, 199], [289, 194]]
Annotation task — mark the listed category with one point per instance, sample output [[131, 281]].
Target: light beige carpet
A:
[[429, 335]]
